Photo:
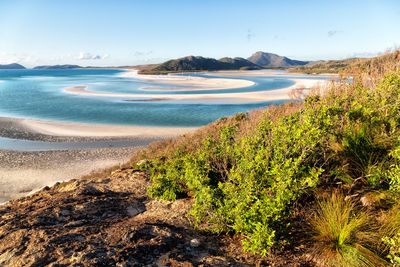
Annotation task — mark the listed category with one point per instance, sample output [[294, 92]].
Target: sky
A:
[[130, 32]]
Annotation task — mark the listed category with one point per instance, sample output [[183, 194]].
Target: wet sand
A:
[[24, 172]]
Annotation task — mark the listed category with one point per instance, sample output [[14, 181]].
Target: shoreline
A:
[[24, 172], [57, 131], [243, 97]]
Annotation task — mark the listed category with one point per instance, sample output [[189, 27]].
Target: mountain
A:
[[13, 66], [58, 67], [239, 63], [197, 63], [270, 60]]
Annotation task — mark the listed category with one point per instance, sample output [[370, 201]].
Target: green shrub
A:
[[394, 249], [246, 172]]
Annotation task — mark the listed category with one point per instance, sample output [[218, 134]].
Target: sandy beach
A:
[[244, 97], [24, 172], [100, 131]]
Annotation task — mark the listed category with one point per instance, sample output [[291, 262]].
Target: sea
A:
[[38, 94]]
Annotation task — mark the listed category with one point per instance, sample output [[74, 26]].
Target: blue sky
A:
[[129, 32]]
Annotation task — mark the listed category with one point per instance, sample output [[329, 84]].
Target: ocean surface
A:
[[39, 94]]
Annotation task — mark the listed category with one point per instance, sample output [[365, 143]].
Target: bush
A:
[[246, 172], [394, 249]]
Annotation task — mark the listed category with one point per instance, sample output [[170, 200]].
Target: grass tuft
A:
[[343, 236]]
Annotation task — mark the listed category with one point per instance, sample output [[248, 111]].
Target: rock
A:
[[88, 190], [107, 221], [366, 201], [65, 212], [132, 211], [194, 243], [374, 200], [158, 231], [75, 223], [68, 186]]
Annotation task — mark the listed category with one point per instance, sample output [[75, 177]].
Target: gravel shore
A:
[[22, 173]]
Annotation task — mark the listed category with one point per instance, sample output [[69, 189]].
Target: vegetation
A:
[[345, 66], [269, 60], [343, 236], [192, 63], [58, 67], [255, 174], [330, 66]]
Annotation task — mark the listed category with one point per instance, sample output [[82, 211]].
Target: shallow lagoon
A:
[[39, 94]]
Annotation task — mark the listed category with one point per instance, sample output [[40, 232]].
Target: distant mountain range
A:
[[197, 63], [269, 60], [258, 60], [13, 66], [58, 67]]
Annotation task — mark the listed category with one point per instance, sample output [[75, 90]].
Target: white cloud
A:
[[364, 54], [89, 56], [8, 58]]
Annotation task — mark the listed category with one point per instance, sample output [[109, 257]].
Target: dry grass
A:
[[343, 236]]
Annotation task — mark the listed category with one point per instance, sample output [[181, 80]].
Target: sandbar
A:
[[243, 97], [192, 83]]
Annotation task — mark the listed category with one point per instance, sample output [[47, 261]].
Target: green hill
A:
[[347, 66], [331, 66], [192, 63], [13, 66], [269, 60], [58, 67]]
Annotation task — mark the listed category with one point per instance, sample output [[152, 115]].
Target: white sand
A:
[[17, 183], [55, 128], [194, 83], [278, 94]]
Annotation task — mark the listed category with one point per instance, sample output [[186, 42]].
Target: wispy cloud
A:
[[89, 56], [142, 53], [331, 33], [250, 35]]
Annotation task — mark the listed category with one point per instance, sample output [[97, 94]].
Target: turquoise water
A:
[[38, 94]]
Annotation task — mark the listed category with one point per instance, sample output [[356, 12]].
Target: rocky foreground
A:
[[109, 221]]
